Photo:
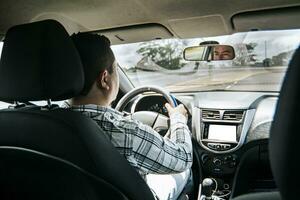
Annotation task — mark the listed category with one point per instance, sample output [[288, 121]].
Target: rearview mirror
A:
[[211, 52]]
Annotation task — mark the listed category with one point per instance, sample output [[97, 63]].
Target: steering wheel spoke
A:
[[162, 125], [146, 117]]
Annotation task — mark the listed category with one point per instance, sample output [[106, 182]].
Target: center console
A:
[[220, 133]]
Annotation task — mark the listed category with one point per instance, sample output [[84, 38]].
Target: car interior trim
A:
[[249, 116]]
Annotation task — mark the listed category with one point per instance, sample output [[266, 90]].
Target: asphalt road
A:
[[266, 81], [246, 78]]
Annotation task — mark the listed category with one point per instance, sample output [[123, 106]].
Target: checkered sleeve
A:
[[159, 155]]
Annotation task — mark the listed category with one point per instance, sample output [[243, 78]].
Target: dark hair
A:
[[96, 56]]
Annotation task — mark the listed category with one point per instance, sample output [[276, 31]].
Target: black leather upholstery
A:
[[285, 133], [64, 134], [39, 61], [73, 137], [254, 173], [21, 169]]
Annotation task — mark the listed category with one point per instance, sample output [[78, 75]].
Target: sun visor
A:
[[136, 33], [199, 26], [273, 19]]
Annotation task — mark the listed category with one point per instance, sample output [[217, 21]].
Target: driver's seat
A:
[[50, 152]]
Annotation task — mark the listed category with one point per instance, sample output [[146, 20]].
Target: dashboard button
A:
[[225, 146], [232, 164], [217, 170], [218, 146], [211, 145], [228, 158]]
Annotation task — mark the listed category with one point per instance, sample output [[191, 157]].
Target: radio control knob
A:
[[204, 158], [217, 162]]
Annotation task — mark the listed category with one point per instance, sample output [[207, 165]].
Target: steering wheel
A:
[[155, 120]]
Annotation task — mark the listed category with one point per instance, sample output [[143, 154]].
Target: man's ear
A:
[[102, 80]]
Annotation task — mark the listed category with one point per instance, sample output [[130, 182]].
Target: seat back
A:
[[285, 133], [39, 145], [284, 137], [29, 175], [75, 138], [254, 173]]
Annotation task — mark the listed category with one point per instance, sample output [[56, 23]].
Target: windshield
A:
[[260, 63]]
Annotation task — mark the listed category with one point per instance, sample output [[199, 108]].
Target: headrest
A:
[[39, 61], [285, 133]]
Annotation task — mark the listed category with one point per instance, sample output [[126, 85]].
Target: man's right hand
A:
[[179, 109]]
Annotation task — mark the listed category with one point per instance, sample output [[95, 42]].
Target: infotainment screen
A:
[[222, 132]]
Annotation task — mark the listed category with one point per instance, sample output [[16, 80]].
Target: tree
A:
[[244, 54], [241, 55], [250, 48], [165, 53], [282, 58]]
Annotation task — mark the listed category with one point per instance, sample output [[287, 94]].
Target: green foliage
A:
[[250, 48], [166, 54]]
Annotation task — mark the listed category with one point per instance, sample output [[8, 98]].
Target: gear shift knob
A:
[[207, 187]]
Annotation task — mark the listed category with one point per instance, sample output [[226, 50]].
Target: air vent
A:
[[233, 115], [211, 114]]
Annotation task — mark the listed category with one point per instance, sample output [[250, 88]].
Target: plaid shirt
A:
[[144, 148]]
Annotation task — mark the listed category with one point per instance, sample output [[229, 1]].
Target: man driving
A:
[[145, 149]]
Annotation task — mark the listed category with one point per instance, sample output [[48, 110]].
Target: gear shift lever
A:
[[207, 187]]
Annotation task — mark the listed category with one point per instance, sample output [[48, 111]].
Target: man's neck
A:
[[87, 100]]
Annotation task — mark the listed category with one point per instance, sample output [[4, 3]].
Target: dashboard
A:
[[220, 121], [246, 114], [225, 127], [250, 112]]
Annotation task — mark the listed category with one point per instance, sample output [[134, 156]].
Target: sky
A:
[[126, 54], [276, 42]]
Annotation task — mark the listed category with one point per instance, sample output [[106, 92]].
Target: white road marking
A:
[[229, 86]]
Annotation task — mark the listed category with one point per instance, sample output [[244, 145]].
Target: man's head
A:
[[100, 67], [223, 52]]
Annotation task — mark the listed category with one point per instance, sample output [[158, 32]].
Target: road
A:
[[267, 81], [246, 78]]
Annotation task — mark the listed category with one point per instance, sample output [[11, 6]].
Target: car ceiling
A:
[[149, 19]]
